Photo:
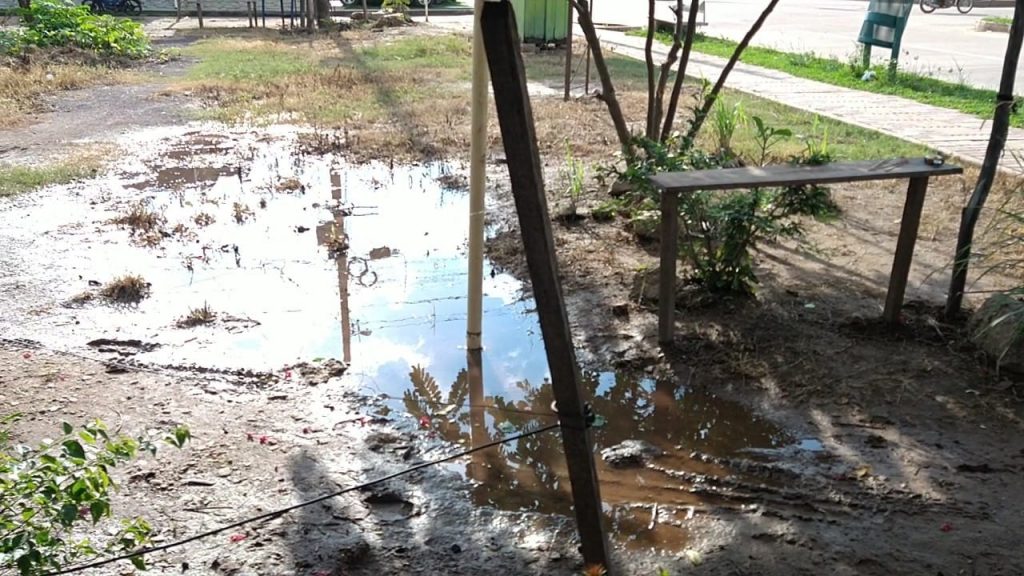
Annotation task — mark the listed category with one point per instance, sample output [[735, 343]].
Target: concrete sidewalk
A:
[[950, 132]]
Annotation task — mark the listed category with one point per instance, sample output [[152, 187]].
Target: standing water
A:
[[309, 257]]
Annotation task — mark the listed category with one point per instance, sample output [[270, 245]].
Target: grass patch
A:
[[127, 289], [998, 20], [406, 95], [20, 179], [979, 102]]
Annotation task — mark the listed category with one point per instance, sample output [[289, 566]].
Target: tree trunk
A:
[[677, 88], [709, 101], [323, 14], [366, 14], [607, 87], [649, 61], [996, 143]]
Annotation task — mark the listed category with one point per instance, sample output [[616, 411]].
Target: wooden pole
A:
[[568, 54], [291, 14], [996, 143], [667, 271], [263, 6], [199, 14], [512, 101], [905, 248], [284, 23], [177, 9], [477, 187], [426, 10]]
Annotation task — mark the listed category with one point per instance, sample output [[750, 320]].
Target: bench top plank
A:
[[796, 175]]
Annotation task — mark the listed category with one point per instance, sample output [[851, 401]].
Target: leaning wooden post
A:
[[667, 271], [905, 248], [512, 102], [199, 14]]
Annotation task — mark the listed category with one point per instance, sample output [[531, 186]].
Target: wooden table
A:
[[672, 184]]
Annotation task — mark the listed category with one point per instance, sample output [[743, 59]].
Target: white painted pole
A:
[[477, 183]]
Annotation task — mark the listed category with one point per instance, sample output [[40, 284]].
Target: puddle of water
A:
[[312, 257]]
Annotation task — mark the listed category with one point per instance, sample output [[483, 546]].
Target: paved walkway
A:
[[953, 133]]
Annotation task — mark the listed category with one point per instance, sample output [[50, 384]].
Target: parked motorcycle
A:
[[962, 6], [114, 6]]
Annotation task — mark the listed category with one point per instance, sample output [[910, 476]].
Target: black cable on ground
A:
[[282, 511]]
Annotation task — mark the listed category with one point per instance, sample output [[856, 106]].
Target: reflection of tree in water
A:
[[530, 473]]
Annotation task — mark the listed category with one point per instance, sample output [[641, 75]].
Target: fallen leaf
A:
[[424, 421], [238, 537], [26, 355], [947, 527], [862, 471], [249, 437], [264, 439]]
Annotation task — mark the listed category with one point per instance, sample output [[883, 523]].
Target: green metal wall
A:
[[541, 21]]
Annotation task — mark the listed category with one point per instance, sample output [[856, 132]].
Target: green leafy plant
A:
[[816, 146], [767, 137], [725, 120], [575, 176], [53, 23], [49, 492]]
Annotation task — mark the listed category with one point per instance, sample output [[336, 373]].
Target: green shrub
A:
[[48, 492], [53, 23], [719, 230]]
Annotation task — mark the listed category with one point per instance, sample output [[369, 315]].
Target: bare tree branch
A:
[[653, 132], [649, 60], [709, 101], [586, 22], [677, 88]]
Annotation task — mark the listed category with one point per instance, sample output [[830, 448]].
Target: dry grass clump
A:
[[197, 317], [21, 85], [127, 289], [141, 219]]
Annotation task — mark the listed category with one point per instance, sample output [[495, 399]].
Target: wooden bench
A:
[[672, 184]]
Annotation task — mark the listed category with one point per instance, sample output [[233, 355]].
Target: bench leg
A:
[[667, 277], [905, 248]]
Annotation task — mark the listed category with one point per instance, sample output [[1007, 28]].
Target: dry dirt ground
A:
[[915, 468]]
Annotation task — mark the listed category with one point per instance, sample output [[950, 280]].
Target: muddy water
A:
[[305, 258]]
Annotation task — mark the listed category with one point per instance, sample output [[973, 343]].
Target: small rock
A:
[[224, 472], [456, 549], [996, 328]]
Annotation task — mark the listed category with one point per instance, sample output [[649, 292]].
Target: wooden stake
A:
[[667, 272], [512, 101], [199, 14], [568, 54]]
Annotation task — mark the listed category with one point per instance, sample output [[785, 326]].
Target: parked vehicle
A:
[[114, 6], [962, 6]]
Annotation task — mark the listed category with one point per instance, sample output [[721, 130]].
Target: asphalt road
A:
[[944, 44]]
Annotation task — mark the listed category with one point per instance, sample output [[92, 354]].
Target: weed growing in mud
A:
[[289, 185], [141, 219], [242, 212], [64, 487], [197, 317], [127, 289]]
